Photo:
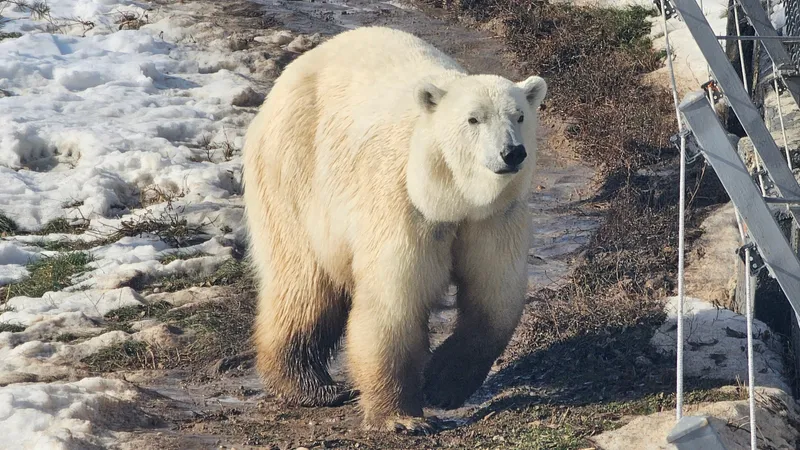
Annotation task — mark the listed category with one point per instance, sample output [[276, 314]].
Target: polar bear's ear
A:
[[428, 96], [535, 89]]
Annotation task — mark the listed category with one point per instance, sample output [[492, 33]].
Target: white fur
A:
[[362, 168]]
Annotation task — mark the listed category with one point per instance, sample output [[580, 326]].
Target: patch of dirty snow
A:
[[44, 360], [98, 119], [85, 414], [93, 303], [776, 412], [138, 258], [192, 295], [135, 134], [716, 344], [33, 354]]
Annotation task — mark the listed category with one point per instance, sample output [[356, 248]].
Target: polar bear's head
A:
[[483, 129]]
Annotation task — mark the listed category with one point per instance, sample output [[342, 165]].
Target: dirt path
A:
[[226, 407]]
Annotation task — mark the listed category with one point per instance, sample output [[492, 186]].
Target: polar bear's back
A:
[[381, 56]]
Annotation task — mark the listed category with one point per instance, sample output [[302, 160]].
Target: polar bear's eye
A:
[[472, 121], [521, 118]]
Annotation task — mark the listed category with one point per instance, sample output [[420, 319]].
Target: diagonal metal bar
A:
[[748, 115], [775, 49], [762, 226]]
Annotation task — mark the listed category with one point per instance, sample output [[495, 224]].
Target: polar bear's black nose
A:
[[513, 155]]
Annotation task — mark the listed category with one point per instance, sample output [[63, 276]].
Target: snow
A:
[[12, 260], [132, 257], [100, 118], [716, 343], [66, 415], [112, 128], [12, 254], [93, 303]]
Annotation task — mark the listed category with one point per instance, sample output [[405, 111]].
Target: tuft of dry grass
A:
[[169, 225], [131, 21], [11, 327], [62, 225], [7, 225]]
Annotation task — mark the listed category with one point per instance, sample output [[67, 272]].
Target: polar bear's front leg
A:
[[387, 331], [490, 273]]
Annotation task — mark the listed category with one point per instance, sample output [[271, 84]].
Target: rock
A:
[[144, 324], [642, 361], [160, 336], [776, 412], [282, 37], [193, 294], [248, 97], [301, 44]]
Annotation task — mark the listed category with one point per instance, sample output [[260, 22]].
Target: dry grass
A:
[[131, 21], [62, 225], [213, 331], [207, 148], [7, 225], [11, 327], [169, 225], [216, 330]]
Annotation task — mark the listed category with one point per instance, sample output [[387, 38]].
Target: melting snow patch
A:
[[716, 344], [93, 303], [13, 258], [67, 415], [97, 119]]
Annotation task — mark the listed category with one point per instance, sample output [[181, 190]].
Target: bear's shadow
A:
[[614, 366]]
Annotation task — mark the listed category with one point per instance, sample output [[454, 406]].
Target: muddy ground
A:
[[531, 400]]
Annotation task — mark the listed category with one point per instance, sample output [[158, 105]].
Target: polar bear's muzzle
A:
[[512, 155]]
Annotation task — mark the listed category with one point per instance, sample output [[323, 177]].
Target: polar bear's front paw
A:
[[405, 424]]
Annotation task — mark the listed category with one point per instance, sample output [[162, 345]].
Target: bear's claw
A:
[[408, 425]]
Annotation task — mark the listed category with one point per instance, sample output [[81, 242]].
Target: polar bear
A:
[[376, 173]]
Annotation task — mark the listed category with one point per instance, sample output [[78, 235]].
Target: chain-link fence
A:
[[792, 28]]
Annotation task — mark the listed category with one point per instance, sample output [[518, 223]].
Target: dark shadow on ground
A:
[[612, 366]]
